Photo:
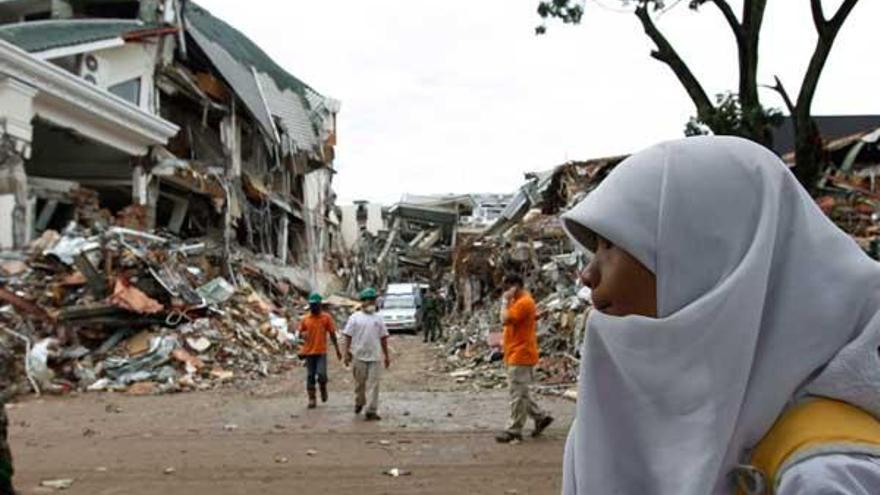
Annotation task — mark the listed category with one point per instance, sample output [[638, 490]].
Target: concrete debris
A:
[[216, 291], [397, 472], [165, 327], [526, 238], [849, 192], [198, 344], [60, 484], [133, 299], [163, 230]]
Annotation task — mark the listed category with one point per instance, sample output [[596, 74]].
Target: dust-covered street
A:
[[437, 433]]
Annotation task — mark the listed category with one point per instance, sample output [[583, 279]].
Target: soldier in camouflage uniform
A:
[[6, 470], [431, 312]]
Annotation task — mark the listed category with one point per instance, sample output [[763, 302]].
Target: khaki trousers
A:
[[522, 407], [366, 384]]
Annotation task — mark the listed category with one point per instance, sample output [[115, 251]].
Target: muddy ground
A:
[[263, 440]]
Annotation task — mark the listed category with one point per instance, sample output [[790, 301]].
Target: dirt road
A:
[[264, 441]]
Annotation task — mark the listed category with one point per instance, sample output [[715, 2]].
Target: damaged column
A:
[[230, 136], [16, 113], [144, 189]]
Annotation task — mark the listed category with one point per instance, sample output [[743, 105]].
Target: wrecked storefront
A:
[[165, 197]]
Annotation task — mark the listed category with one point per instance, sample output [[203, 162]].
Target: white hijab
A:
[[757, 291]]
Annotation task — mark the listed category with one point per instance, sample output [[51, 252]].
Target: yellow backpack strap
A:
[[815, 427]]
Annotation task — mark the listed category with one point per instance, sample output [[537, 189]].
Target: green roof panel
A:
[[38, 36], [242, 49]]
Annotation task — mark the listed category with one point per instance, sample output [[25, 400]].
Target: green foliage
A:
[[730, 118], [568, 11]]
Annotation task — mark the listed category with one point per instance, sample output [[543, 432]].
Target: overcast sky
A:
[[455, 96]]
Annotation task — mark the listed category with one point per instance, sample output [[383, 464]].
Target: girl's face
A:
[[620, 284]]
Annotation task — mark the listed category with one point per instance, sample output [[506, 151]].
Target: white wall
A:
[[132, 60], [350, 226], [7, 204]]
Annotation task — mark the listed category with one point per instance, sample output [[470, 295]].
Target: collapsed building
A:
[[848, 191], [168, 116], [528, 238], [165, 198]]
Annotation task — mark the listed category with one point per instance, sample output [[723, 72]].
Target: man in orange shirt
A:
[[519, 315], [314, 328]]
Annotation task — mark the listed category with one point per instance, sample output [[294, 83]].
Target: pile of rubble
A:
[[848, 191], [528, 238], [539, 250], [113, 308], [473, 346]]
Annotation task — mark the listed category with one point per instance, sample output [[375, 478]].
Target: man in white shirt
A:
[[366, 342]]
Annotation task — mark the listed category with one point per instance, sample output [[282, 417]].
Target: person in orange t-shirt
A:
[[520, 345], [314, 328]]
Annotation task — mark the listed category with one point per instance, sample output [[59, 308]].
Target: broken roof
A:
[[831, 127], [430, 214], [268, 91], [38, 36], [460, 202], [291, 110], [241, 48]]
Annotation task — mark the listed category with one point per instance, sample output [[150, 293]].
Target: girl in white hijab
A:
[[723, 295]]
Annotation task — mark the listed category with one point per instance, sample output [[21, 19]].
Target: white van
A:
[[401, 307]]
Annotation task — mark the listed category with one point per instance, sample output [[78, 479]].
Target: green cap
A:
[[368, 293], [315, 298]]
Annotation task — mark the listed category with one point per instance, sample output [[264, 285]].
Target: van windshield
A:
[[399, 302]]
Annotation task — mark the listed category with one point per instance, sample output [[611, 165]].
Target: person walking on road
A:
[[315, 328], [431, 313], [520, 343], [366, 343]]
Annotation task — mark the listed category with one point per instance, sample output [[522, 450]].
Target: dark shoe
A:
[[358, 409], [507, 437], [373, 417], [323, 392], [542, 425], [312, 401]]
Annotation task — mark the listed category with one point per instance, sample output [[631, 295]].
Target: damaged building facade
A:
[[155, 115]]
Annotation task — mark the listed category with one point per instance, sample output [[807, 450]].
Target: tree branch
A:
[[818, 16], [779, 88], [842, 13], [730, 17], [827, 32], [747, 50], [667, 54]]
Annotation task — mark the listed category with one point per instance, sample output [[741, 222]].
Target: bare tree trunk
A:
[[757, 127], [808, 143]]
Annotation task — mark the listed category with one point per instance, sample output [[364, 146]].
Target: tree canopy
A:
[[737, 112]]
